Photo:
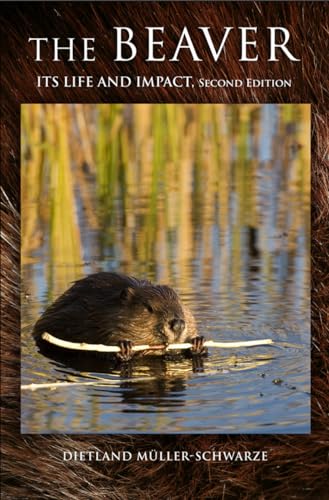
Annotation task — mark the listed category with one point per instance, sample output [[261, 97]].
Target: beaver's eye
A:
[[149, 308]]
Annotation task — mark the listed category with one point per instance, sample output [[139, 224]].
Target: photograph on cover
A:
[[165, 261]]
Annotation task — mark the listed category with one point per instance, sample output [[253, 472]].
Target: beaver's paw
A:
[[126, 351], [198, 347]]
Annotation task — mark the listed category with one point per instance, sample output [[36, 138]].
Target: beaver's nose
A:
[[177, 325]]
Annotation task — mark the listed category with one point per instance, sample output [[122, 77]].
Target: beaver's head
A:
[[156, 314]]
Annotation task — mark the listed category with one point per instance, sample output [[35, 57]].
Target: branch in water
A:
[[81, 346]]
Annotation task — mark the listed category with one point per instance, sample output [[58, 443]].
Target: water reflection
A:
[[211, 199]]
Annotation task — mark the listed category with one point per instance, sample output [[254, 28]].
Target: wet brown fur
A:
[[32, 467], [104, 308]]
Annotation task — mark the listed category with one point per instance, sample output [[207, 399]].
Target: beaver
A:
[[111, 308]]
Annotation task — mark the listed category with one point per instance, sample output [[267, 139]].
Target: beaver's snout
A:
[[177, 325]]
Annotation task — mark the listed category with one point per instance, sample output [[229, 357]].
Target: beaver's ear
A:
[[127, 294]]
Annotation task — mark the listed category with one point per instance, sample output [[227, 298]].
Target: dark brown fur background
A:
[[32, 467]]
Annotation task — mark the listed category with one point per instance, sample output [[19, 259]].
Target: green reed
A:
[[48, 199]]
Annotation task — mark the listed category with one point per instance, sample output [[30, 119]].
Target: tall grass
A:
[[160, 187], [49, 205]]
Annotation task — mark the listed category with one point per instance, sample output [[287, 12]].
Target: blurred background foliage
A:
[[163, 190]]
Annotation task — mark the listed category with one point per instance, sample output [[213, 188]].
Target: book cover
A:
[[178, 144]]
